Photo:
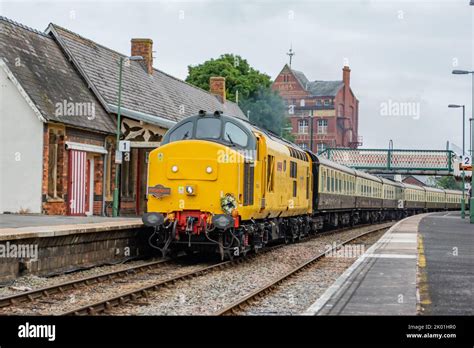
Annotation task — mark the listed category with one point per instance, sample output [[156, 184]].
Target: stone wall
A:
[[75, 251]]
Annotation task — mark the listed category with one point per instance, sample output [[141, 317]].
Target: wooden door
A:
[[77, 183]]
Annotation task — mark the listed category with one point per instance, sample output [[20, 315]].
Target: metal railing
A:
[[396, 161]]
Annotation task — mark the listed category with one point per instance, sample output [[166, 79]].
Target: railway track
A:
[[103, 306], [47, 294], [37, 294], [106, 305], [243, 303]]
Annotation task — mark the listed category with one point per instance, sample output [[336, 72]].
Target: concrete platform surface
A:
[[16, 226], [382, 281], [448, 246]]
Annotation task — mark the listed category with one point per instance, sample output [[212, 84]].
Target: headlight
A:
[[153, 219], [174, 169], [222, 221], [209, 170], [190, 190]]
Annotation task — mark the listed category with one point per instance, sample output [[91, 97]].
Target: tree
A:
[[448, 182], [256, 99], [266, 109], [239, 76], [286, 130]]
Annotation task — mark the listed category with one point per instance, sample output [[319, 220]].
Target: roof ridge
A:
[[189, 84], [11, 21], [85, 38], [298, 71], [327, 81]]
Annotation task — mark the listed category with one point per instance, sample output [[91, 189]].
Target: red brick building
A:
[[58, 108], [56, 139], [413, 181], [327, 110]]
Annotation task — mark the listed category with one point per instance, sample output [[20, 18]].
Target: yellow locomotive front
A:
[[207, 188]]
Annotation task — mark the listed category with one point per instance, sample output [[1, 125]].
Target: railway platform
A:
[[424, 264], [45, 245], [14, 222]]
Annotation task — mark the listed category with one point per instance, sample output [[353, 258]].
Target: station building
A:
[[58, 120], [322, 113]]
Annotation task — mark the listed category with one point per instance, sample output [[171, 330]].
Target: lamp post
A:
[[115, 207], [463, 204], [471, 202]]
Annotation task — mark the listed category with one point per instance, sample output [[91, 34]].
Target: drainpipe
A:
[[104, 179]]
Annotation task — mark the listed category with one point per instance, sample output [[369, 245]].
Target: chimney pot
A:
[[346, 76], [217, 87], [144, 48]]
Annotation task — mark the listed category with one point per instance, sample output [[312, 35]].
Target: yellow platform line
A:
[[423, 289]]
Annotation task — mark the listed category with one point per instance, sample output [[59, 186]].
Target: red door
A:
[[77, 183]]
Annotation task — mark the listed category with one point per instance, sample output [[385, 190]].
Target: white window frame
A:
[[303, 126], [322, 126]]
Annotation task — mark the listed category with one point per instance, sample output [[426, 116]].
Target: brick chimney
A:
[[144, 48], [346, 76], [217, 87]]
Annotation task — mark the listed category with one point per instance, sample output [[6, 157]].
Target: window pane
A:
[[234, 134], [185, 131], [208, 128]]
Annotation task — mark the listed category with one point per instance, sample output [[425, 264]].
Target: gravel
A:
[[209, 293], [61, 302], [35, 282], [294, 295], [201, 295]]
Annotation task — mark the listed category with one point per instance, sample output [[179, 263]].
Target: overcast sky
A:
[[399, 51]]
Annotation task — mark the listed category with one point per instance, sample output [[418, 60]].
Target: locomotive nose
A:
[[201, 169]]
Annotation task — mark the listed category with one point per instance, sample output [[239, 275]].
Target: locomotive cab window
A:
[[235, 135], [185, 131], [208, 128]]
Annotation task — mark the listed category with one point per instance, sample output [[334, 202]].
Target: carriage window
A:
[[185, 131], [235, 135], [293, 170], [323, 180], [208, 128]]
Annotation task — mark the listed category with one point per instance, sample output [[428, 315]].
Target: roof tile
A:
[[47, 77], [159, 94]]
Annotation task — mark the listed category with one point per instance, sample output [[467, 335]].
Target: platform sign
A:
[[466, 163], [124, 146], [467, 160]]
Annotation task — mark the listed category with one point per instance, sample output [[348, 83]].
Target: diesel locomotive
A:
[[221, 184]]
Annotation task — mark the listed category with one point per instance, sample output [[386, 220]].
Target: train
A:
[[219, 184]]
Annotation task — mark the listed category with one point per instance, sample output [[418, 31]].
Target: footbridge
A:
[[395, 161]]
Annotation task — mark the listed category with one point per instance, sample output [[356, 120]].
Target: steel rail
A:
[[245, 301], [143, 292], [36, 294]]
